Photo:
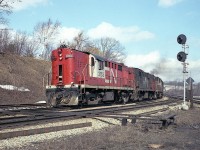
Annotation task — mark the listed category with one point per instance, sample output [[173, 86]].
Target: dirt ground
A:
[[183, 135], [25, 72]]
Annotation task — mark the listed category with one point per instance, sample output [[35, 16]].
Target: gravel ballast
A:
[[98, 124]]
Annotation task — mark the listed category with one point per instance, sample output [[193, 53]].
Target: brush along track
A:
[[21, 106]]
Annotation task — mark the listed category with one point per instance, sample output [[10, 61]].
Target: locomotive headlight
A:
[[59, 51], [60, 58], [60, 55]]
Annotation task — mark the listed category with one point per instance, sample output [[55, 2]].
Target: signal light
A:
[[181, 56], [181, 39]]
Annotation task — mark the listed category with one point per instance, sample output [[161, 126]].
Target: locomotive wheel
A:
[[141, 98], [155, 96], [150, 97], [125, 98], [136, 98]]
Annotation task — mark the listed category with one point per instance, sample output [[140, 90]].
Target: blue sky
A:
[[146, 28]]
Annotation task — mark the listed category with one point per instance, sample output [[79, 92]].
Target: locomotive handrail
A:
[[79, 75], [84, 75]]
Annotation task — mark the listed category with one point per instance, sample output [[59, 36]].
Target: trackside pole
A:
[[182, 56], [184, 88], [184, 105]]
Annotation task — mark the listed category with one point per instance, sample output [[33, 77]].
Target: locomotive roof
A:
[[104, 59], [95, 55], [98, 57]]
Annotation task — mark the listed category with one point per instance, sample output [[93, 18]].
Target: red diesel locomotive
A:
[[80, 77]]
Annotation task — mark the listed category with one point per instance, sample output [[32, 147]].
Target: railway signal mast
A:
[[182, 56]]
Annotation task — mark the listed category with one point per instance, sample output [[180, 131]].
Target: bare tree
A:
[[47, 52], [17, 45], [30, 47], [111, 49], [83, 43], [90, 47], [79, 42], [6, 8], [5, 39], [44, 34]]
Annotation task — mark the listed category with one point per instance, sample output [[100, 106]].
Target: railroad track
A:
[[9, 117], [15, 117], [28, 117], [196, 100]]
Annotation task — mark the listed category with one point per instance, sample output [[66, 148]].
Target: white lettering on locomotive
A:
[[112, 76], [101, 74]]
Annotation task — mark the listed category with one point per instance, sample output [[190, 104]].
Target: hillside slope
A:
[[23, 73]]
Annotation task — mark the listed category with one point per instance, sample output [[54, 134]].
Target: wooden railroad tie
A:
[[165, 120]]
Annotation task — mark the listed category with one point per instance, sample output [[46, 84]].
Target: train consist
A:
[[83, 78]]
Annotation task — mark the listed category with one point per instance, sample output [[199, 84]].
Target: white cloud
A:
[[67, 34], [123, 34], [27, 3], [168, 69], [168, 3], [141, 60], [2, 26]]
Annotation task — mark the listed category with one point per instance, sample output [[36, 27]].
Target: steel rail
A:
[[48, 114], [69, 115]]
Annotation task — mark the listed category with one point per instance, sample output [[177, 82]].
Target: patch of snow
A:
[[22, 89], [11, 87], [41, 102]]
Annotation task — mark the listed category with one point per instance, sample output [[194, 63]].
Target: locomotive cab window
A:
[[119, 67], [106, 64], [92, 61], [101, 65]]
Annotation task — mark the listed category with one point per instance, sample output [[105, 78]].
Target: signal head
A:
[[181, 56], [181, 39]]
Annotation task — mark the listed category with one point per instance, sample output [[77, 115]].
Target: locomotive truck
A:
[[83, 78]]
